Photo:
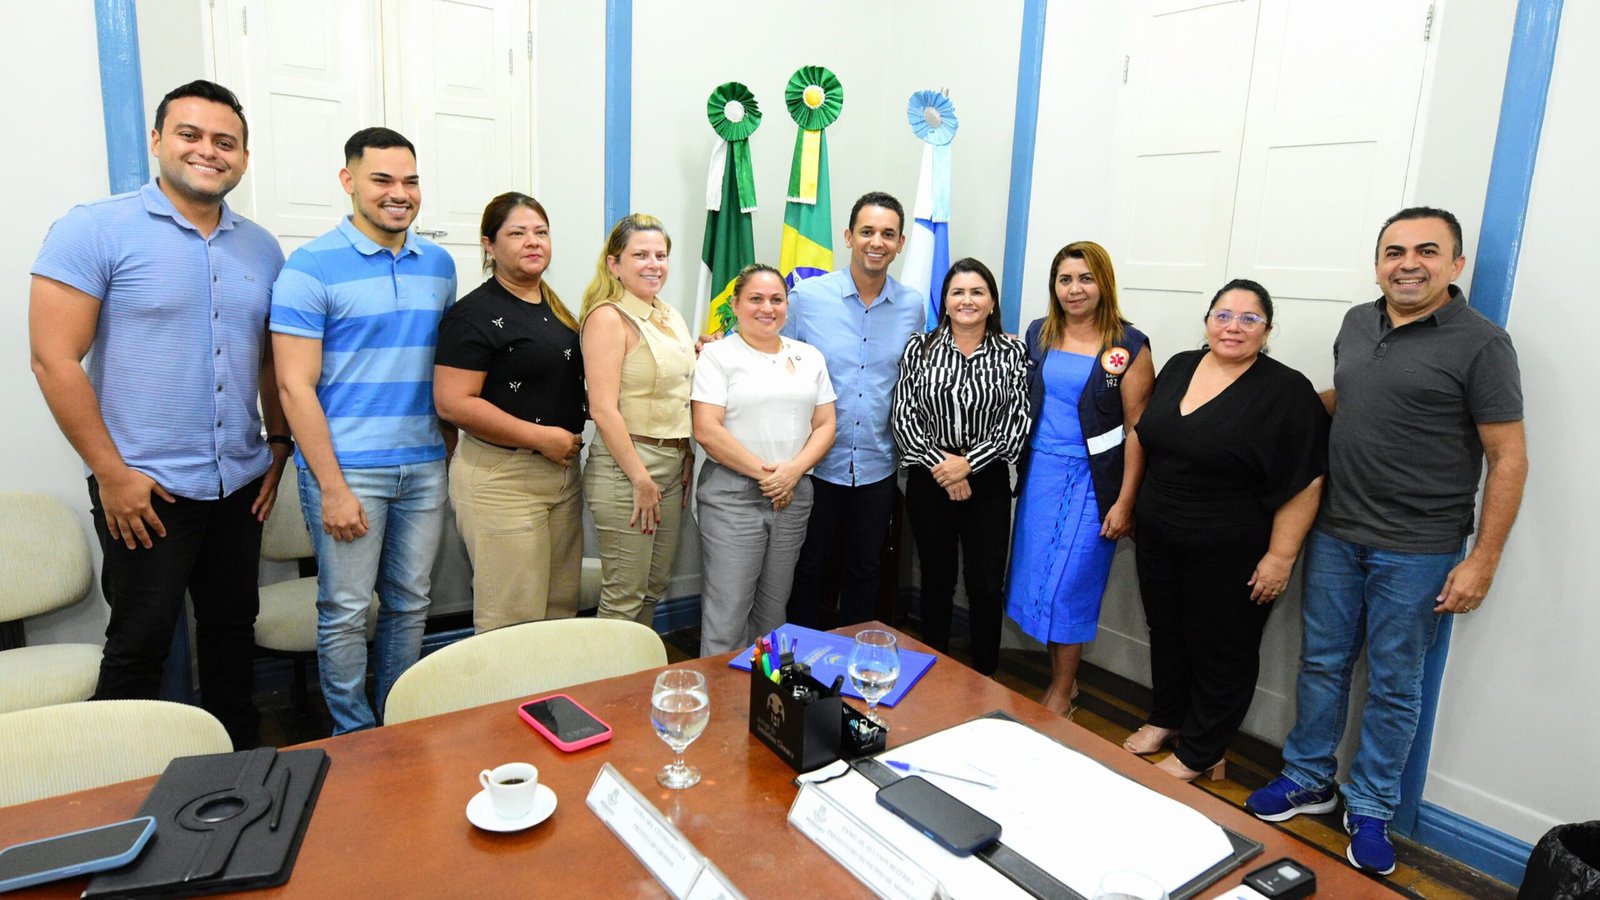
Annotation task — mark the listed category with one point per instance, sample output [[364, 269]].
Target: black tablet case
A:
[[224, 822], [1036, 881]]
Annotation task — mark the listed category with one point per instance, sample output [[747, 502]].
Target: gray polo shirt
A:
[[1404, 458]]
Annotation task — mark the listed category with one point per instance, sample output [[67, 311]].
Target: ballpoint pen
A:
[[913, 769]]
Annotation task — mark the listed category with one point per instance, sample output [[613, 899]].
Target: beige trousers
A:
[[521, 516], [635, 568]]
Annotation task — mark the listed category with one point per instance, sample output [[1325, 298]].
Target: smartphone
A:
[[567, 724], [952, 824], [77, 853]]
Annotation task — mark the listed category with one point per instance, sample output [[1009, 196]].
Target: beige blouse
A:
[[658, 373]]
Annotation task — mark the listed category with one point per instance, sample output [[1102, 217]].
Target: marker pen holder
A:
[[805, 725]]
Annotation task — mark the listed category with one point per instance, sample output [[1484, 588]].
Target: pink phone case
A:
[[568, 746]]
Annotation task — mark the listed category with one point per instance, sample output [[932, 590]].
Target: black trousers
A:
[[975, 531], [212, 550], [860, 517], [1205, 640]]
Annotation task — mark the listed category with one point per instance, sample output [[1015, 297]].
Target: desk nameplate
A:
[[883, 869], [681, 869]]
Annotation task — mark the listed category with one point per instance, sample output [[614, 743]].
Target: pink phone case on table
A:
[[569, 746]]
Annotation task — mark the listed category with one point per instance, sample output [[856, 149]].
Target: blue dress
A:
[[1059, 561]]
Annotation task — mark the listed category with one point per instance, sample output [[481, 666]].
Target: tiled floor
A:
[[1109, 706]]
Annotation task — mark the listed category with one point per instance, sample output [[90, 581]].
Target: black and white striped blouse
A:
[[976, 406]]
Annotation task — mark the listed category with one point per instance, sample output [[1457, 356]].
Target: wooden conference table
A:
[[391, 820]]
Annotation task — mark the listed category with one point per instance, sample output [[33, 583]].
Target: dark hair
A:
[[1245, 284], [374, 138], [878, 198], [1422, 212], [991, 325], [494, 218], [205, 90], [747, 272]]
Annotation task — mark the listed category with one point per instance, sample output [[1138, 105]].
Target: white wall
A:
[[49, 59], [1514, 744]]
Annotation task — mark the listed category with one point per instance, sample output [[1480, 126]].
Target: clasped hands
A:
[[951, 474], [779, 482]]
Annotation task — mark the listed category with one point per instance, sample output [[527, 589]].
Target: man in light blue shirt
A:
[[860, 318], [355, 318], [170, 288]]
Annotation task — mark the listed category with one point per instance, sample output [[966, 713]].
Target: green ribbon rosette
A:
[[734, 115], [815, 98]]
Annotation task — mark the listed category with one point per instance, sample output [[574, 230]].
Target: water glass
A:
[[679, 710], [874, 667]]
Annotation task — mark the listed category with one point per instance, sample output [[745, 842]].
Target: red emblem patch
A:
[[1114, 361]]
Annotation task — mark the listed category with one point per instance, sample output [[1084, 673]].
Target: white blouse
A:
[[769, 398]]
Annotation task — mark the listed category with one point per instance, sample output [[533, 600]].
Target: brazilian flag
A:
[[814, 98]]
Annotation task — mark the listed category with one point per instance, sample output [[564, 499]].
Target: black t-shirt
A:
[[1217, 475], [532, 362]]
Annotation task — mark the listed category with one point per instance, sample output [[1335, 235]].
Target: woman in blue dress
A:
[[1089, 377]]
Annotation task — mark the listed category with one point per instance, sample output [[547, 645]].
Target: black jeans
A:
[[1205, 640], [977, 531], [860, 516], [212, 550]]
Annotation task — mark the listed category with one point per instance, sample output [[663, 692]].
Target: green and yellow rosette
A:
[[734, 115], [815, 98]]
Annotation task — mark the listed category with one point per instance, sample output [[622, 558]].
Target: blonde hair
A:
[[494, 218], [1107, 315], [605, 287]]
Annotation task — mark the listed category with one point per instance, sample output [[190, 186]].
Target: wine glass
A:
[[874, 667], [679, 709], [1126, 885]]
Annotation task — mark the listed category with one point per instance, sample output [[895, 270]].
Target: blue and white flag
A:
[[927, 257]]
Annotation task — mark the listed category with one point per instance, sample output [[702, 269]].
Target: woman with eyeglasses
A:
[[1235, 446]]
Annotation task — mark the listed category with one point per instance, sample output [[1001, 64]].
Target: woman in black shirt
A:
[[509, 373], [1235, 447], [960, 415]]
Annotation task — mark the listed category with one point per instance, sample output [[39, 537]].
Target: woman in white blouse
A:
[[763, 412]]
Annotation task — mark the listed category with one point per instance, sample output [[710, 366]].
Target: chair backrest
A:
[[44, 556], [521, 660], [284, 537], [70, 747]]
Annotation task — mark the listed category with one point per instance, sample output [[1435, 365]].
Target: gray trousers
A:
[[748, 553]]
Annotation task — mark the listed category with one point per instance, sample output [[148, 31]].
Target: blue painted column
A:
[[1024, 134], [619, 110], [122, 94], [1505, 212]]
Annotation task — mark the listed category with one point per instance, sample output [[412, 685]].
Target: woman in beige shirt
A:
[[638, 360]]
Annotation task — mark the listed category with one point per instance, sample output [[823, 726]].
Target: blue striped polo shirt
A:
[[176, 360], [377, 314]]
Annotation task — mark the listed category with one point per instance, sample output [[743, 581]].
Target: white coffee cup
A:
[[511, 788]]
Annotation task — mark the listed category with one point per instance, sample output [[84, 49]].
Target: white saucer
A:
[[480, 811]]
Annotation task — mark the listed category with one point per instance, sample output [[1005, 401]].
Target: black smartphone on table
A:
[[952, 824], [75, 853]]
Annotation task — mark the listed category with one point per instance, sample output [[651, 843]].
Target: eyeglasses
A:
[[1247, 321]]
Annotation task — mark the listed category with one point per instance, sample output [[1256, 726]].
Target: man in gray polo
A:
[[1425, 388]]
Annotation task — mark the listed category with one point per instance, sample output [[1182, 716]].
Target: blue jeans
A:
[[405, 508], [1357, 594]]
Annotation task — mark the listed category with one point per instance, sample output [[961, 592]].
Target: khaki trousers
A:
[[635, 568], [521, 516]]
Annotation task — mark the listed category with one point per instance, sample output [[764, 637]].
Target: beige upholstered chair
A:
[[44, 566], [76, 746], [521, 660], [287, 623]]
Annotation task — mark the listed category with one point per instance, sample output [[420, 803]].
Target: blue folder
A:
[[828, 655]]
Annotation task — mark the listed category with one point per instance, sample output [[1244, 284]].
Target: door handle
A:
[[432, 232]]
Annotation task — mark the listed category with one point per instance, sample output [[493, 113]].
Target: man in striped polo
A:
[[355, 317], [170, 289]]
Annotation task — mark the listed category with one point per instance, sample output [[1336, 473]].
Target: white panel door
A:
[[307, 72], [460, 87], [1176, 162], [1327, 142]]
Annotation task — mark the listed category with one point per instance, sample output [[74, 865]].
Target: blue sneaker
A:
[[1282, 799], [1370, 850]]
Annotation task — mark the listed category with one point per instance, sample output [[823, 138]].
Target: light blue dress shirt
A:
[[862, 347], [176, 360]]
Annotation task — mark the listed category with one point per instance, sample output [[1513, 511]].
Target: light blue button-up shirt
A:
[[176, 360], [862, 346]]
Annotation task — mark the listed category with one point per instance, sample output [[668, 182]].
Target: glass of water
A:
[[679, 709], [874, 667], [1125, 885]]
